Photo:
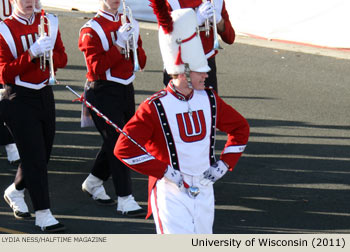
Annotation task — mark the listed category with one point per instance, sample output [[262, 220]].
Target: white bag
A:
[[86, 118]]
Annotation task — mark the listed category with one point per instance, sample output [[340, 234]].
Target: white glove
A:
[[204, 11], [42, 45], [174, 176], [214, 173], [124, 34]]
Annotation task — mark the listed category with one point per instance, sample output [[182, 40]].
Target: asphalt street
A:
[[294, 176]]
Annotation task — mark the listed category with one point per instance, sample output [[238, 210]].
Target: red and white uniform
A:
[[228, 36], [5, 9], [180, 131], [103, 60], [16, 36], [28, 102]]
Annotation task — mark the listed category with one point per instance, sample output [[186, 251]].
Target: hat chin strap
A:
[[105, 3], [187, 74]]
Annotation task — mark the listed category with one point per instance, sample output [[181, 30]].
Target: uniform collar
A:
[[171, 88], [23, 20], [108, 15]]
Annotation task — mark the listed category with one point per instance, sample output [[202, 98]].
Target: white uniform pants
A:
[[175, 212]]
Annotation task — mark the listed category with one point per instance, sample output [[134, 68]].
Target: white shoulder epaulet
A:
[[157, 95]]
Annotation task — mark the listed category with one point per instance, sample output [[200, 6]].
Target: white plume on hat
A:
[[175, 26], [190, 51]]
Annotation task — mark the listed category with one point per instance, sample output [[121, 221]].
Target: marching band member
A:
[[5, 136], [103, 40], [28, 107], [205, 11], [177, 128]]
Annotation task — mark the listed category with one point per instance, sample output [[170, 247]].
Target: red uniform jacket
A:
[[103, 60], [15, 64], [163, 126]]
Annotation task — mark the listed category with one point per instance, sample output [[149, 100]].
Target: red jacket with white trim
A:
[[24, 35], [147, 128], [103, 60]]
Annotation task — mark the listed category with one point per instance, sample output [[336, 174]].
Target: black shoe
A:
[[106, 202], [22, 216], [15, 163], [18, 214], [135, 213], [53, 228]]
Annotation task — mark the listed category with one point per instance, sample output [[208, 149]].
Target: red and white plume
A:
[[161, 10]]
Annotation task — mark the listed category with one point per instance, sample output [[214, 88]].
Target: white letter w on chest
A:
[[192, 128]]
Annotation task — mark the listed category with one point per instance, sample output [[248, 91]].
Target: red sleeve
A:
[[97, 59], [11, 66], [237, 129], [142, 128], [59, 54], [141, 54], [228, 36]]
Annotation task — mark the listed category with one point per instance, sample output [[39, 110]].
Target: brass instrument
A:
[[215, 31], [47, 55], [128, 13], [206, 24], [124, 21]]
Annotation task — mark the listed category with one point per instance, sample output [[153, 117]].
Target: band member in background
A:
[[177, 128], [103, 40], [205, 11], [6, 138], [28, 106]]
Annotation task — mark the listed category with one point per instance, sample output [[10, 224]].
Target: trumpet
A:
[[47, 56], [128, 13], [206, 24], [215, 31]]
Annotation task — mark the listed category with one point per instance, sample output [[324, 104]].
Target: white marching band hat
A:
[[179, 39]]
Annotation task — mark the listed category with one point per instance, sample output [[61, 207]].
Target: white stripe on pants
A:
[[175, 212]]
